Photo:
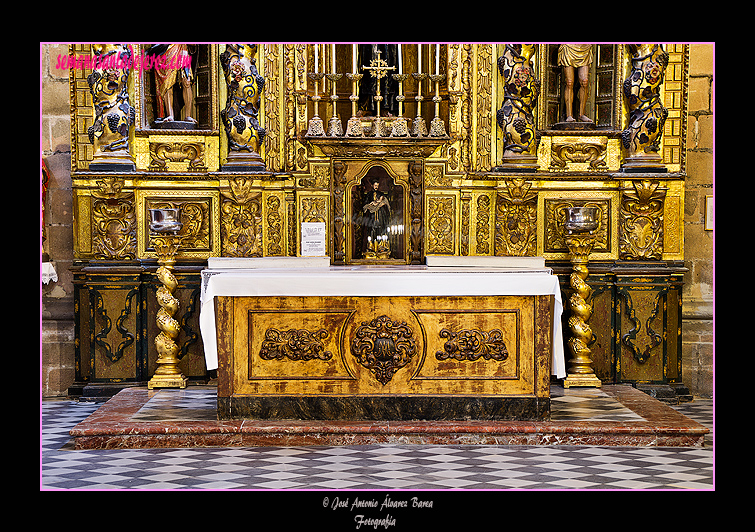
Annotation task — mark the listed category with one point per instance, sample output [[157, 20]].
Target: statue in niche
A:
[[647, 115], [173, 68], [368, 83], [240, 116], [376, 217], [521, 90], [576, 58]]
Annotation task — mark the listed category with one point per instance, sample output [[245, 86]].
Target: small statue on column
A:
[[174, 69], [576, 58], [647, 115], [113, 114], [240, 116]]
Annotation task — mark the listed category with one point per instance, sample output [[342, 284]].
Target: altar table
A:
[[372, 342]]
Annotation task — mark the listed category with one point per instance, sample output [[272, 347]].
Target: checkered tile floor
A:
[[373, 467]]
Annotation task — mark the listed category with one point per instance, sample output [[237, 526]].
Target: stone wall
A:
[[697, 307], [57, 297]]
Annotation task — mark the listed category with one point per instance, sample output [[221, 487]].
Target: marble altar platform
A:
[[614, 415]]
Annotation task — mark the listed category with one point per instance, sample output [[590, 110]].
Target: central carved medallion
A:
[[384, 346]]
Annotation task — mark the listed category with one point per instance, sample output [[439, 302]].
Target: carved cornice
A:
[[377, 147]]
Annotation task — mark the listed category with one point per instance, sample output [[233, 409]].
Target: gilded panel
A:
[[440, 229], [382, 345], [274, 216], [553, 204], [483, 207], [177, 153], [312, 207], [673, 221], [200, 214]]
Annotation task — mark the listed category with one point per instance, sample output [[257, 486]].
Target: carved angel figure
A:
[[245, 86], [642, 91], [521, 90], [113, 114]]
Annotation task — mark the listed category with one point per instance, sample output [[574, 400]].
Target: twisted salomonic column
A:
[[580, 225], [166, 243]]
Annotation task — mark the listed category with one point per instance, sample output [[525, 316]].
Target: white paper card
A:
[[313, 239]]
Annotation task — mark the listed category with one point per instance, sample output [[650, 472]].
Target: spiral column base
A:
[[167, 374], [580, 372]]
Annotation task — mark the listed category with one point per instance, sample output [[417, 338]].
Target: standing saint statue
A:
[[368, 84], [376, 216], [576, 57], [175, 60]]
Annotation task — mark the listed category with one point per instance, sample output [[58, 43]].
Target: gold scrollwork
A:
[[440, 227], [516, 220], [294, 344], [471, 344], [384, 346], [114, 221], [161, 153], [641, 221], [579, 152], [241, 220]]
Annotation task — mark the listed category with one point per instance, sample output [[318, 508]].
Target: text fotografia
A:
[[123, 61], [357, 506]]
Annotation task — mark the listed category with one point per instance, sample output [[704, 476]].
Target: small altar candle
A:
[[334, 59], [316, 59], [400, 70], [437, 58], [354, 58], [419, 59]]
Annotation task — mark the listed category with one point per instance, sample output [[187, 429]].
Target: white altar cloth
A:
[[378, 281]]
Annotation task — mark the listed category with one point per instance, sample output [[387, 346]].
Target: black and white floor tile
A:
[[369, 467]]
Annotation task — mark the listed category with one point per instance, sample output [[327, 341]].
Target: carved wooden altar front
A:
[[491, 175]]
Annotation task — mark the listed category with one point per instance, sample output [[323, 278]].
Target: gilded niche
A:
[[555, 218], [384, 346]]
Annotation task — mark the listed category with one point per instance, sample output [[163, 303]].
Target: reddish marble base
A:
[[110, 427]]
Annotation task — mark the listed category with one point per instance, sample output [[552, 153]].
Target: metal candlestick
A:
[[335, 128], [164, 228], [354, 125], [400, 127], [437, 127], [419, 128], [315, 127], [580, 225]]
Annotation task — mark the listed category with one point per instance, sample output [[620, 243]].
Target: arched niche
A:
[[377, 229]]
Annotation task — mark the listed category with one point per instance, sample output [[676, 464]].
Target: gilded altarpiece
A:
[[453, 191]]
